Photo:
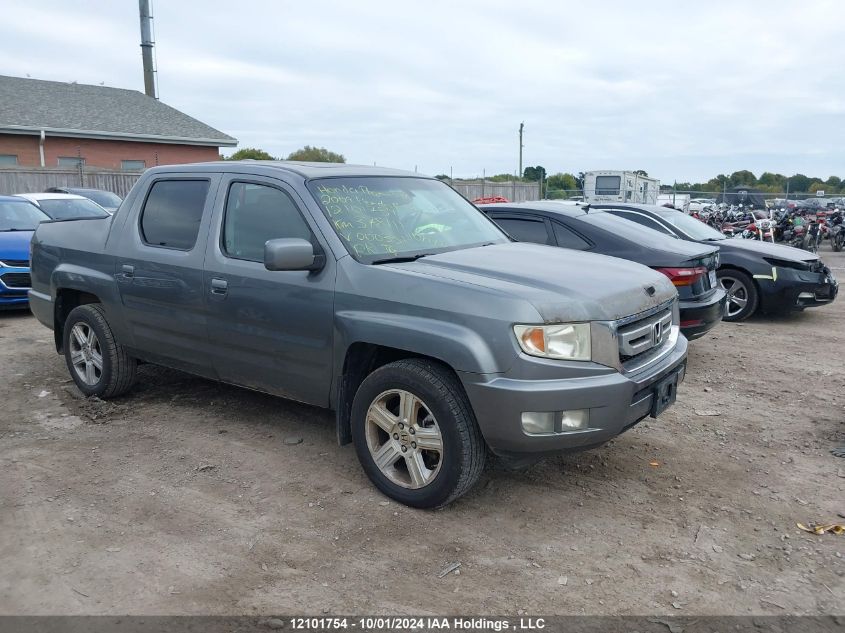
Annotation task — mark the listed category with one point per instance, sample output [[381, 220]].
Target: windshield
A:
[[382, 217], [19, 216], [103, 198], [72, 208], [696, 229]]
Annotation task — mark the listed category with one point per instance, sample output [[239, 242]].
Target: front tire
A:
[[98, 364], [415, 433], [742, 294]]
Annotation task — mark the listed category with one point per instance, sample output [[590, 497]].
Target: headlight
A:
[[564, 341]]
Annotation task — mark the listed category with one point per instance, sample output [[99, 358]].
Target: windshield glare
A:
[[19, 216], [384, 217], [696, 229], [72, 208]]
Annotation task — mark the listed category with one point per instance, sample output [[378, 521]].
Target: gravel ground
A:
[[188, 497]]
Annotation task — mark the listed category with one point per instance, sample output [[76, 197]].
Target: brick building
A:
[[55, 124]]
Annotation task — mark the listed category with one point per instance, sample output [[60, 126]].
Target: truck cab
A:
[[380, 294]]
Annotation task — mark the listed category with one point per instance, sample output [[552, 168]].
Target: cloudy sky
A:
[[683, 90]]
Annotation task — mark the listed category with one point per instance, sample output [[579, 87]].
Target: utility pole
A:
[[521, 126], [147, 43]]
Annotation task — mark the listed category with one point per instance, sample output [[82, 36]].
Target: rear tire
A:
[[415, 433], [98, 364], [742, 294]]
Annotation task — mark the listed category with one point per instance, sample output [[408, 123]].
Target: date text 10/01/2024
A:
[[416, 623]]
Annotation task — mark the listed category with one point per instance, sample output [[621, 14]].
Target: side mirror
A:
[[290, 253]]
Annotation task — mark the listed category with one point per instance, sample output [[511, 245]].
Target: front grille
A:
[[644, 335], [16, 280], [15, 263]]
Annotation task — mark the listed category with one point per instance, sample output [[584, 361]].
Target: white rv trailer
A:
[[620, 186]]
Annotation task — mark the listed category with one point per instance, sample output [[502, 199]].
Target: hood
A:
[[767, 249], [561, 284], [15, 244]]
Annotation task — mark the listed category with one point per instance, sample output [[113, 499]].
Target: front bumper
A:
[[12, 295], [796, 289], [699, 317], [616, 402]]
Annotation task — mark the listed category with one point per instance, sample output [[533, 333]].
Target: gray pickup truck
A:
[[380, 294]]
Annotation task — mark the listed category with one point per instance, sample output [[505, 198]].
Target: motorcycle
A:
[[837, 231]]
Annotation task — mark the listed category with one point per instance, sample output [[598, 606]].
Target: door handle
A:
[[219, 286], [128, 271]]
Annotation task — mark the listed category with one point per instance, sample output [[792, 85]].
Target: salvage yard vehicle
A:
[[106, 199], [756, 275], [18, 220], [691, 268], [65, 206], [378, 293]]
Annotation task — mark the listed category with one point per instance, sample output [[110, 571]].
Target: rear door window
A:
[[525, 229], [172, 213], [568, 238]]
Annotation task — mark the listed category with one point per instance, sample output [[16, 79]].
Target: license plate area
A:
[[665, 392]]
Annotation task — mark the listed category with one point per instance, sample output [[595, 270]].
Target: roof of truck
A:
[[304, 169]]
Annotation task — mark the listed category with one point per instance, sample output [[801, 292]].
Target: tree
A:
[[502, 178], [250, 152], [442, 177], [561, 182], [799, 183], [642, 172], [534, 174], [316, 155], [742, 177], [833, 182], [579, 180]]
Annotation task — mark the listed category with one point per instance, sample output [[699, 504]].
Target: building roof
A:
[[28, 106]]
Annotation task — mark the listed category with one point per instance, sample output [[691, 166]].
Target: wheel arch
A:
[[66, 300], [360, 360], [754, 280]]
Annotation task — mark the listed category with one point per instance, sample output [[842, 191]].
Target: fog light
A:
[[574, 420], [548, 422], [538, 422], [806, 295]]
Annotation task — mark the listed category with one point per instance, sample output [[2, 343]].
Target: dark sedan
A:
[[756, 275], [106, 199], [690, 267]]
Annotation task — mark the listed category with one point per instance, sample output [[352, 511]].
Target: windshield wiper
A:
[[400, 259]]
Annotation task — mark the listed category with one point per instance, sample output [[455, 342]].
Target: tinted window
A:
[[525, 230], [642, 220], [172, 213], [103, 198], [568, 239], [72, 208], [255, 214]]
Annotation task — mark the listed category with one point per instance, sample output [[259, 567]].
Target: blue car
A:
[[18, 220]]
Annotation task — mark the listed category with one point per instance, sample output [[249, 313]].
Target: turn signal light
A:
[[683, 276]]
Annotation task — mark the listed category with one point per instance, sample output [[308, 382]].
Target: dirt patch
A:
[[188, 497]]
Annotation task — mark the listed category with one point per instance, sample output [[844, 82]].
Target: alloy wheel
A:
[[737, 295], [404, 439], [86, 356]]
